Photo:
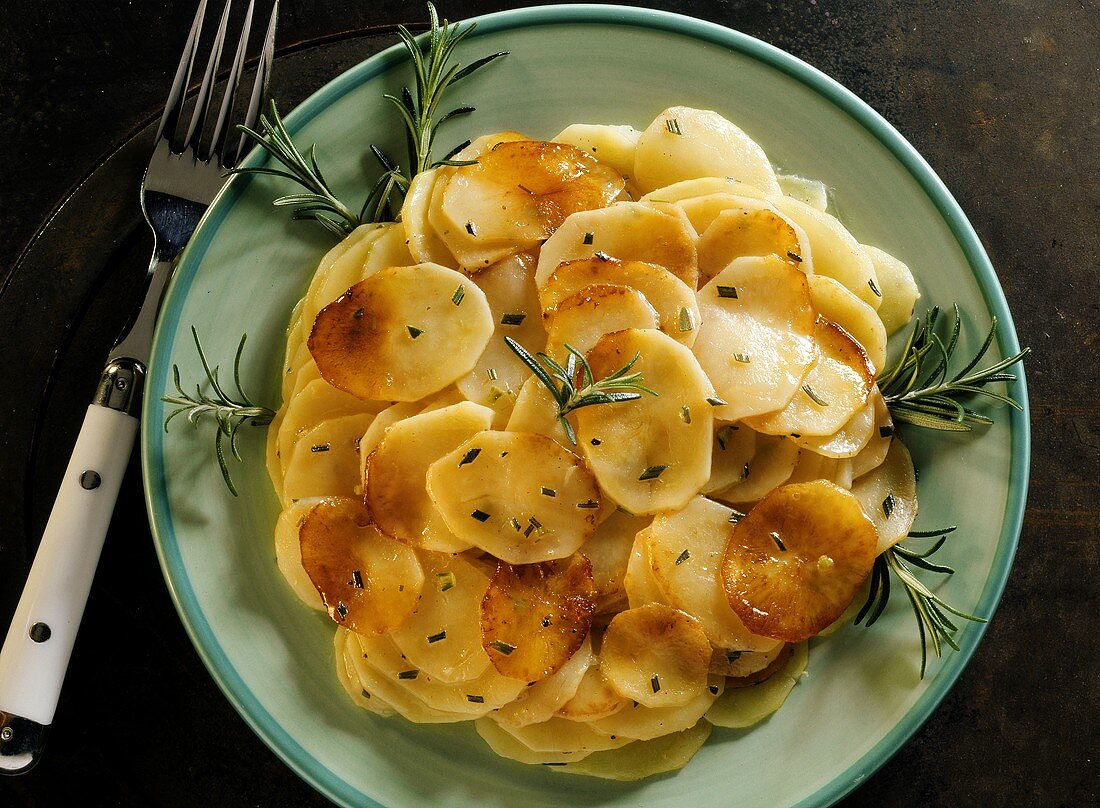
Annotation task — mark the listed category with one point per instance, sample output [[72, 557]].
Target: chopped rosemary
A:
[[818, 400], [733, 656], [515, 524], [589, 238], [713, 689], [513, 318], [745, 472], [358, 313], [414, 332], [778, 541], [685, 414], [492, 374], [320, 447], [475, 699], [684, 556], [714, 401], [446, 580], [652, 472], [602, 255], [888, 505], [727, 291], [886, 430], [503, 647], [724, 435], [874, 288], [460, 293], [595, 441], [673, 126], [342, 610], [798, 258], [366, 695], [356, 579], [548, 492], [480, 515], [588, 503], [735, 517], [469, 457], [655, 683], [409, 674], [471, 228], [744, 359], [687, 319], [433, 638]]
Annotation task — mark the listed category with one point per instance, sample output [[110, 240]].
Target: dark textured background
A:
[[1002, 100]]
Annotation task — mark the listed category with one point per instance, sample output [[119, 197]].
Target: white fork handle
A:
[[40, 640]]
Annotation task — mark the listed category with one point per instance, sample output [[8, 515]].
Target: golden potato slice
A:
[[546, 510], [733, 448], [871, 455], [423, 242], [485, 143], [656, 655], [837, 305], [394, 488], [653, 453], [509, 286], [536, 411], [399, 335], [888, 495], [552, 742], [595, 698], [898, 289], [672, 299], [540, 701], [387, 249], [609, 552], [740, 707], [810, 192], [345, 265], [373, 436], [750, 231], [613, 145], [684, 143], [316, 402], [534, 617], [756, 338], [812, 466], [703, 210], [585, 316], [797, 560], [836, 253], [702, 187], [442, 637], [641, 585], [847, 441], [645, 723], [629, 231], [325, 459], [288, 553], [347, 649], [368, 582], [772, 463], [685, 549], [301, 373], [835, 389], [642, 759]]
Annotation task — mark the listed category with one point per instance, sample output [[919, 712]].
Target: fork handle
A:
[[40, 640]]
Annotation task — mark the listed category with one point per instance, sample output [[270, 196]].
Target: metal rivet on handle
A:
[[40, 632], [90, 479], [6, 734]]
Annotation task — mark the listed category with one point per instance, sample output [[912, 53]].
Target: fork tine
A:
[[174, 106], [259, 84], [221, 128], [202, 102]]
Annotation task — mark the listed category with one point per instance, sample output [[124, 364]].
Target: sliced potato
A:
[[835, 389], [685, 550], [744, 706], [316, 402], [836, 304], [703, 210], [288, 553], [442, 637], [547, 510], [486, 143], [847, 441], [642, 759], [656, 655], [772, 463], [595, 698], [888, 495], [811, 192], [399, 335], [424, 243], [703, 187], [344, 265], [640, 583], [739, 232], [551, 742], [377, 429], [325, 459], [629, 231], [684, 143], [653, 453], [585, 316], [899, 290], [368, 582], [797, 559], [536, 411], [534, 617], [347, 648], [609, 551], [739, 664], [672, 299], [613, 145], [756, 338], [394, 488], [812, 466], [645, 723], [734, 446], [540, 701], [871, 455]]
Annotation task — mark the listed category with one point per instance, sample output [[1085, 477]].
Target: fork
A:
[[185, 173]]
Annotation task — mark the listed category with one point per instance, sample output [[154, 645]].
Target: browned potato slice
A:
[[387, 249], [316, 402], [645, 723], [613, 145], [756, 338], [888, 495], [399, 335], [546, 509], [642, 759], [536, 411], [871, 455], [534, 617], [540, 701], [749, 231], [585, 316], [656, 655], [373, 436], [772, 463], [595, 698], [834, 390], [733, 448], [394, 488], [797, 560], [847, 441], [629, 231], [837, 305], [325, 461], [653, 453], [369, 583], [671, 298], [609, 551]]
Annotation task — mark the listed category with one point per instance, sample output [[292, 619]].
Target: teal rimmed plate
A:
[[248, 263]]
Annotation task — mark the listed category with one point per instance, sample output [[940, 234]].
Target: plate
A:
[[248, 263]]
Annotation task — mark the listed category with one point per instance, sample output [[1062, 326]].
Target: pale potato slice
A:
[[836, 304], [423, 242], [703, 187], [552, 742], [703, 210], [536, 411], [446, 397], [272, 462], [772, 463], [442, 637], [325, 459], [835, 389], [642, 759], [810, 192], [744, 706], [609, 551], [485, 143], [318, 401], [347, 648], [297, 370], [399, 335], [734, 446], [534, 617], [756, 338], [653, 453], [684, 143], [656, 655], [836, 253], [629, 231], [373, 436], [509, 287], [387, 248], [288, 553], [547, 509], [672, 299], [739, 664], [645, 723], [641, 585], [473, 252], [685, 550], [812, 466], [585, 316], [613, 145], [540, 701], [739, 232], [595, 698], [394, 488], [871, 455], [896, 285], [888, 495], [368, 582], [848, 441], [797, 559]]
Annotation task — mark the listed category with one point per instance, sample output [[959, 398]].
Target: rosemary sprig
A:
[[622, 385], [228, 413], [918, 390], [934, 623]]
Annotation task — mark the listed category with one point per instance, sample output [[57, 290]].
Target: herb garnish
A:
[[409, 674], [480, 515], [469, 457], [687, 319], [727, 291], [673, 126], [684, 556], [414, 332], [655, 683], [778, 541], [548, 492], [888, 505], [460, 293], [442, 635], [818, 400], [513, 318], [714, 401], [446, 580], [502, 646], [588, 238], [685, 414], [652, 472]]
